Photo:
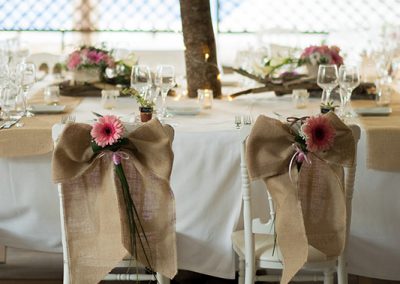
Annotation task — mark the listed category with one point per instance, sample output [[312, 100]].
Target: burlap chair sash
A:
[[95, 218], [310, 203]]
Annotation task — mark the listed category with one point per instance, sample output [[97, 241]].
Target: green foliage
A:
[[139, 98]]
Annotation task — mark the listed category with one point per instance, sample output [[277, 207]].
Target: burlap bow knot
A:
[[95, 219], [312, 209]]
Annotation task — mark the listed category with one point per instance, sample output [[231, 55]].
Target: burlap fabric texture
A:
[[311, 211], [96, 227]]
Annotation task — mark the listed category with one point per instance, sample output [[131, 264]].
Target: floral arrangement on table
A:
[[108, 135], [121, 71], [315, 55], [88, 63], [312, 134], [323, 54]]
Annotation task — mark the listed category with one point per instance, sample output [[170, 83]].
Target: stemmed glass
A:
[[327, 79], [349, 79], [141, 79], [165, 80], [25, 78]]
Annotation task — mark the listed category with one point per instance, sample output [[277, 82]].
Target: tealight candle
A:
[[205, 97]]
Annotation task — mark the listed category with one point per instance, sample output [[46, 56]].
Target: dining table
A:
[[205, 180]]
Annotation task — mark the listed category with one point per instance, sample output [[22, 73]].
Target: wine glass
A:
[[165, 80], [327, 79], [141, 79], [25, 78], [349, 79]]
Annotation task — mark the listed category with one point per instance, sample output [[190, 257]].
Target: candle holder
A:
[[205, 98]]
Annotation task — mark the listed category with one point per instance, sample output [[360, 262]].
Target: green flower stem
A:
[[135, 226]]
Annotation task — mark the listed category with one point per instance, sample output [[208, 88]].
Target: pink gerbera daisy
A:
[[107, 130], [319, 133]]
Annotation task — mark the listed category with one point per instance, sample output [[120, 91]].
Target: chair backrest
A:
[[136, 274], [45, 62], [255, 225]]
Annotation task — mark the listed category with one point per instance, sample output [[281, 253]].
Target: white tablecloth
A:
[[206, 184]]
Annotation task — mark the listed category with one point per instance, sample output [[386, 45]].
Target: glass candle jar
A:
[[205, 98], [109, 98]]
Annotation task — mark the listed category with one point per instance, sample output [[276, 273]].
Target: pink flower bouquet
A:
[[90, 57], [316, 55]]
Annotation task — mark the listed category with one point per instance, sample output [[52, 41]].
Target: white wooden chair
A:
[[45, 62], [255, 244], [56, 132]]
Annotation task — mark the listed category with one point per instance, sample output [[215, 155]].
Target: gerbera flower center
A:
[[107, 131], [319, 133]]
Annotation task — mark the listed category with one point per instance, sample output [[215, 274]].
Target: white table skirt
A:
[[206, 183]]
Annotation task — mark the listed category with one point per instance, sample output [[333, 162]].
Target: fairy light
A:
[[206, 56]]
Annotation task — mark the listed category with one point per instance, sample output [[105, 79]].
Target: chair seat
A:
[[264, 252]]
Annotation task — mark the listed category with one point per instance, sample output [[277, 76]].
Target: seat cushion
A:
[[264, 249]]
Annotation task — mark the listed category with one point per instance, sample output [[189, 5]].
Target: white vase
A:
[[88, 75], [312, 70]]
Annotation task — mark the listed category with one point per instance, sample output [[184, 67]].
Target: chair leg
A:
[[162, 279], [328, 276], [241, 271], [3, 254], [249, 274], [342, 270]]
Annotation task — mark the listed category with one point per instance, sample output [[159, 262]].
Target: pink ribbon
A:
[[301, 157], [118, 156]]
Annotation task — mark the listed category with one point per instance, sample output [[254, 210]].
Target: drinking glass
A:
[[165, 80], [141, 79], [349, 79], [25, 78], [327, 79], [8, 101]]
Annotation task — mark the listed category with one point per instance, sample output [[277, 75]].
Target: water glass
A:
[[349, 79], [327, 79], [384, 93], [109, 98], [51, 95], [205, 98], [300, 98], [141, 79], [165, 80]]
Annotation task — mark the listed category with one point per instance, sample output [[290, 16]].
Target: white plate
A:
[[46, 108], [184, 110], [373, 111]]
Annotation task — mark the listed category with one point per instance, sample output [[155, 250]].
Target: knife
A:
[[8, 124]]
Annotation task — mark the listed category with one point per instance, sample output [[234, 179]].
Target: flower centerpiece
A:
[[88, 63], [313, 56], [146, 106], [120, 73]]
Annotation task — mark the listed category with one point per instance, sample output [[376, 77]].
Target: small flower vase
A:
[[312, 70], [87, 75], [326, 109], [146, 113]]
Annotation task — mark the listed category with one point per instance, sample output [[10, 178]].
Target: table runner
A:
[[34, 138], [383, 137]]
